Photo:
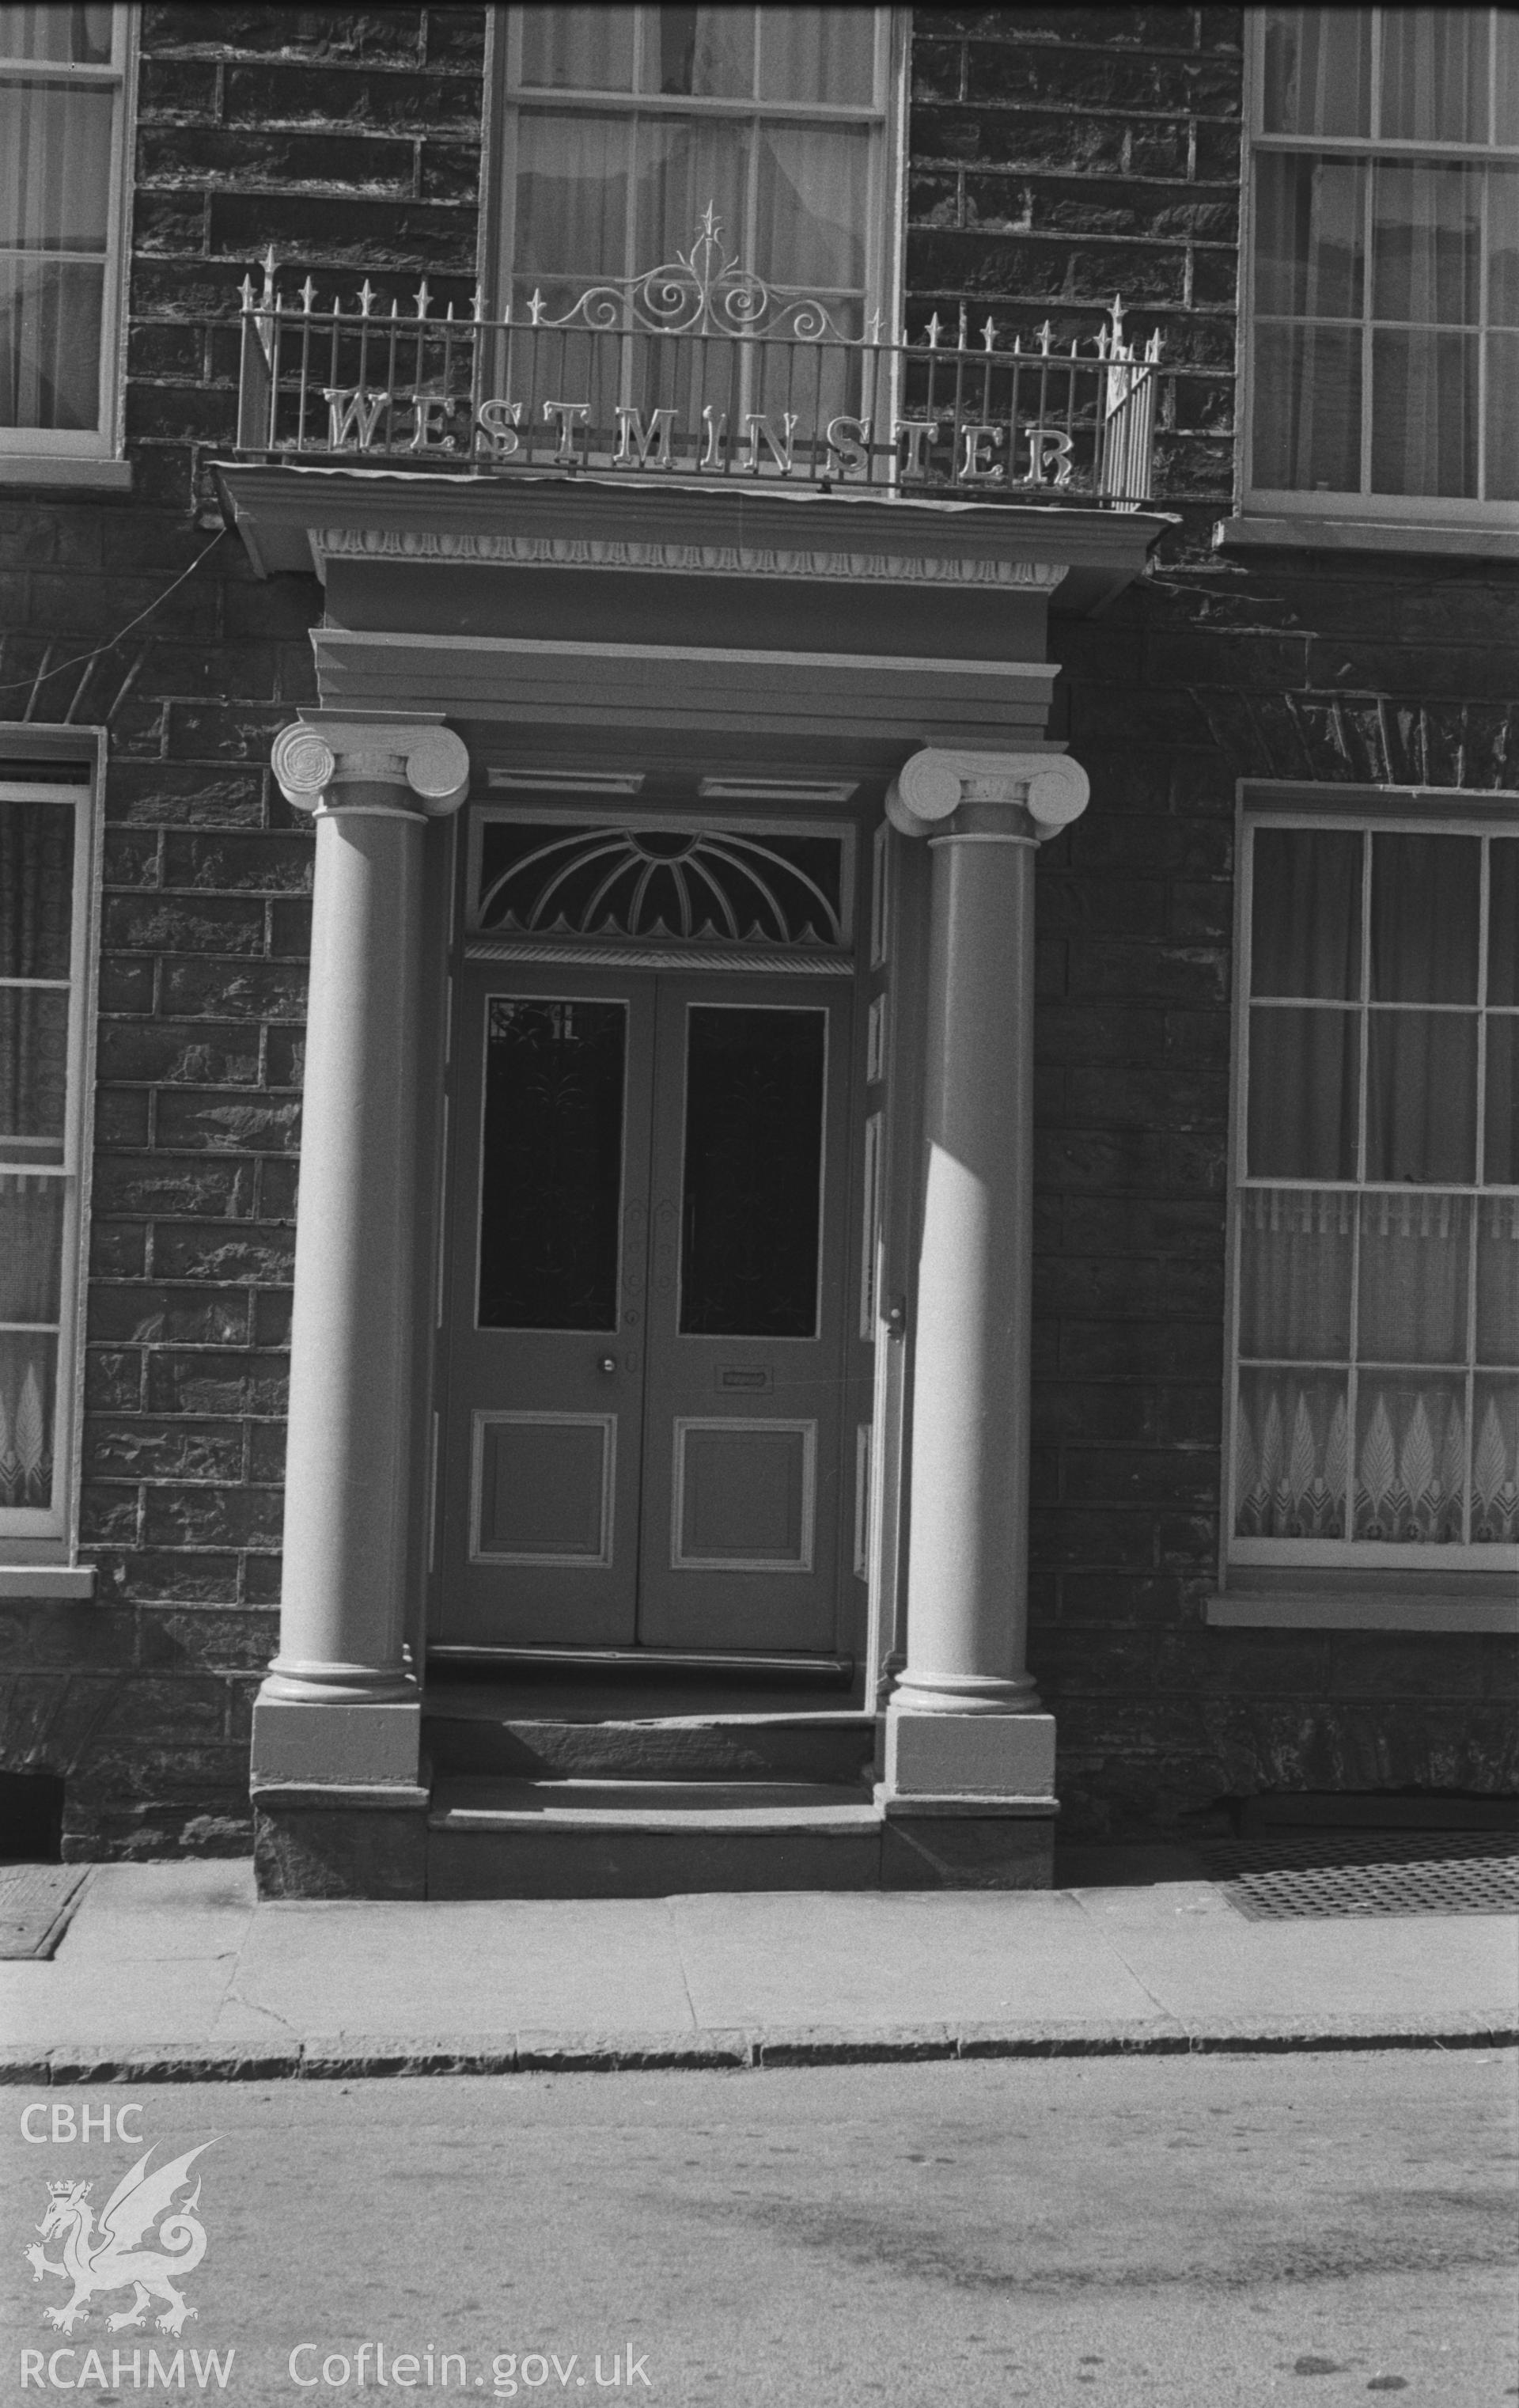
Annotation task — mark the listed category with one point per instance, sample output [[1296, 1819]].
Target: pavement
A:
[[174, 1971]]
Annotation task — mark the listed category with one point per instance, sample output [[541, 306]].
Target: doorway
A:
[[648, 1317]]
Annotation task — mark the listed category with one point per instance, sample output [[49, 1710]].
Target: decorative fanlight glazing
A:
[[707, 885]]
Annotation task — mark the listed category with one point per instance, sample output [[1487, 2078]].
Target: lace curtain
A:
[[36, 894], [1378, 1332]]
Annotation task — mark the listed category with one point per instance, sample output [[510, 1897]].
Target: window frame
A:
[[37, 1537], [885, 246], [32, 454], [1377, 1582], [1452, 514]]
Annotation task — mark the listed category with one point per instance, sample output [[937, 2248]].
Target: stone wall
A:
[[349, 141], [1059, 156]]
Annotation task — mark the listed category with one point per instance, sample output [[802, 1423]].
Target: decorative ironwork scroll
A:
[[703, 291]]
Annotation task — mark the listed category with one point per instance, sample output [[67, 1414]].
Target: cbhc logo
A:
[[90, 2123]]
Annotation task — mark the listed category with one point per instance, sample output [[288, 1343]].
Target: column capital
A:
[[1040, 792], [325, 751]]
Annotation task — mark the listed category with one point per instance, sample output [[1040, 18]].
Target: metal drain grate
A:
[[36, 1904], [1369, 1872]]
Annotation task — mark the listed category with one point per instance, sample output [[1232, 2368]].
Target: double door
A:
[[647, 1312]]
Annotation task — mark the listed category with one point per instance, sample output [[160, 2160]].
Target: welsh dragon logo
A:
[[111, 2259]]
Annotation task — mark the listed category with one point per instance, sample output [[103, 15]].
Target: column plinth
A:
[[963, 1718], [339, 1708]]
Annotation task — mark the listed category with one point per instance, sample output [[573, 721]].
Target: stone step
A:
[[694, 1748], [493, 1837]]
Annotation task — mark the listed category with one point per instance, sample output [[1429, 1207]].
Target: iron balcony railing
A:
[[697, 368]]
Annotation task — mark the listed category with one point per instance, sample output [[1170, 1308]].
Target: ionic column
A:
[[338, 1706], [963, 1718]]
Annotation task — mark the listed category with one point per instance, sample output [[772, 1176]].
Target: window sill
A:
[[1324, 1609], [42, 1582], [1494, 541], [37, 468]]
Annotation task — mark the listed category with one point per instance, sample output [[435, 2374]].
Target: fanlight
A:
[[711, 885]]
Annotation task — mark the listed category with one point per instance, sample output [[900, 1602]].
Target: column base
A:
[[974, 1756], [335, 1746], [334, 1843], [967, 1842]]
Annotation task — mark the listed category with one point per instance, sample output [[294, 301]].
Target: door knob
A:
[[608, 1363]]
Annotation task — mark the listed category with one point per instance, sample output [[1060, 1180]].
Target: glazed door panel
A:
[[548, 1241], [742, 1410]]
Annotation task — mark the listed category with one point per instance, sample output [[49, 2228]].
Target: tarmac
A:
[[174, 1972]]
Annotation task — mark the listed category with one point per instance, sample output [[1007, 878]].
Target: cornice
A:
[[294, 518], [435, 547]]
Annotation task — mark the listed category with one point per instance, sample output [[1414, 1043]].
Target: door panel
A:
[[742, 1402], [548, 1235]]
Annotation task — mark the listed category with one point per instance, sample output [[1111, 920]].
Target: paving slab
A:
[[486, 1965], [122, 2006], [905, 1957], [1199, 1959]]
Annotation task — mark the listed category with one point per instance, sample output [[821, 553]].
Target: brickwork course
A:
[[1057, 156]]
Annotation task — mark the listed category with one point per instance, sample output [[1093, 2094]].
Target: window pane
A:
[[31, 1248], [33, 1073], [824, 54], [1309, 237], [37, 889], [812, 198], [55, 146], [1303, 1067], [49, 344], [1501, 480], [1415, 1264], [1294, 1273], [754, 1172], [28, 1408], [1318, 71], [551, 1168], [709, 52], [1503, 919], [1306, 912], [1501, 1146], [582, 50], [1290, 1455], [683, 164], [1411, 1450], [1503, 243], [74, 37], [1307, 409], [1424, 414], [1494, 1466], [1498, 1278], [1435, 80], [572, 177], [1426, 893], [1427, 245], [1421, 1096], [1506, 85]]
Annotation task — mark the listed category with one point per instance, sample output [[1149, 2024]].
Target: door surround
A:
[[552, 883]]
